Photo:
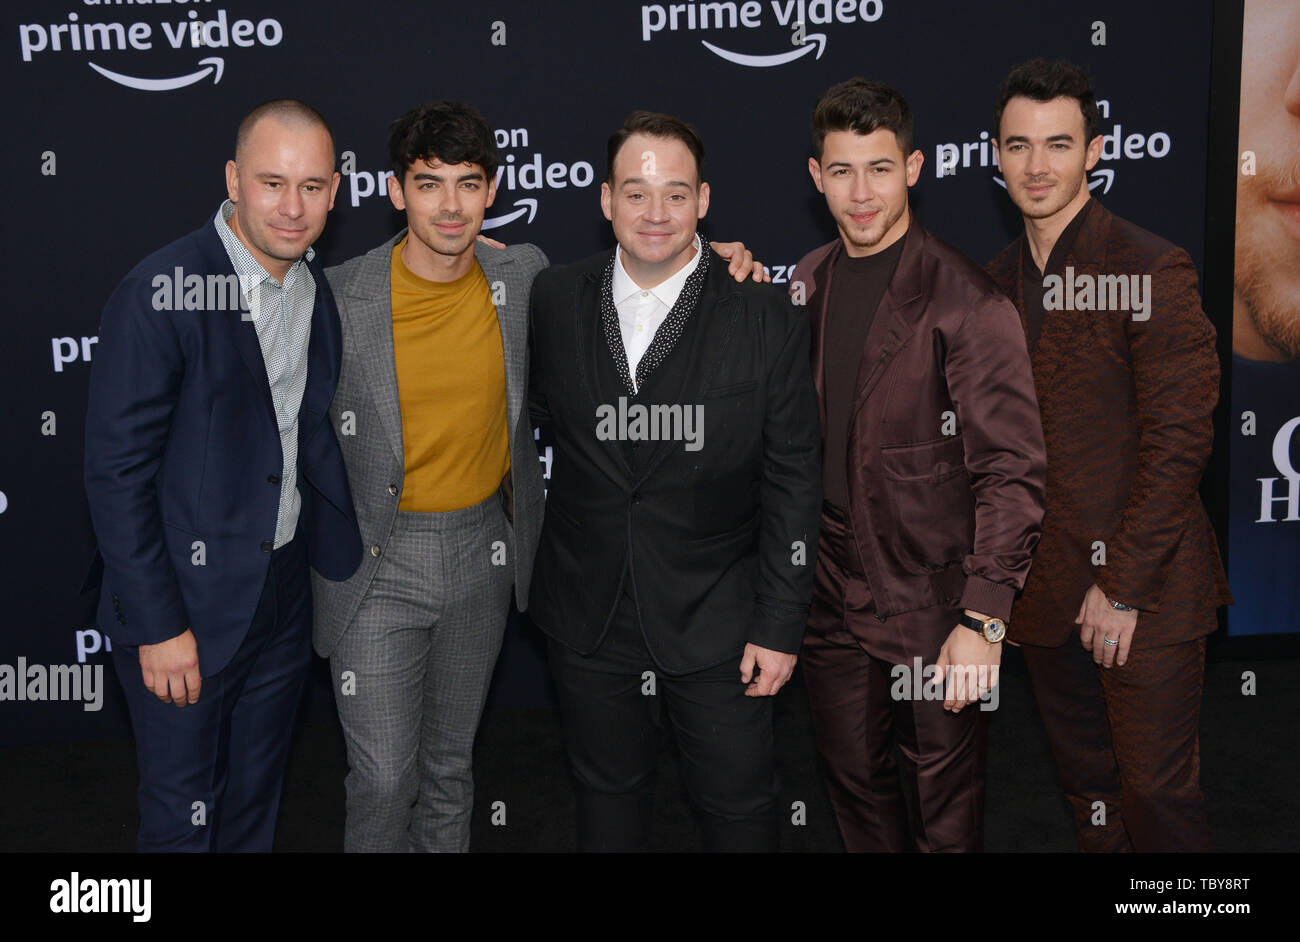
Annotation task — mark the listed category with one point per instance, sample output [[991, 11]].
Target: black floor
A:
[[81, 797]]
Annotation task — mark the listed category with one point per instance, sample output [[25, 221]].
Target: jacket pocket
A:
[[933, 461], [928, 490], [731, 389], [740, 534]]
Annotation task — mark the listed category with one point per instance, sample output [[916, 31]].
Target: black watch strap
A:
[[971, 622]]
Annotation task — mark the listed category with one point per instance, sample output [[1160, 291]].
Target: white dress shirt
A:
[[641, 311]]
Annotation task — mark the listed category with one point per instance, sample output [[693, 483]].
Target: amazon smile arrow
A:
[[212, 63]]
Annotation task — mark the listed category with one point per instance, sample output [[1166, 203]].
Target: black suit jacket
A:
[[720, 542]]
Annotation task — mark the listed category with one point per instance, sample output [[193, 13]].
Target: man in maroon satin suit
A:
[[933, 471], [1127, 578]]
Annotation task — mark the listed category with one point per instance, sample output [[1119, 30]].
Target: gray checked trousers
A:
[[422, 648]]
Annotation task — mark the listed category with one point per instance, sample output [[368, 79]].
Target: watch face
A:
[[995, 630]]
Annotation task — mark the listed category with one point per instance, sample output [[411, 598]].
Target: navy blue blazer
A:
[[183, 457]]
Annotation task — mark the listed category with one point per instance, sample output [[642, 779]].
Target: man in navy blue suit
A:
[[215, 481]]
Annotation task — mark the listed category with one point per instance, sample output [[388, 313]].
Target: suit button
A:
[[267, 546], [880, 618], [273, 479], [392, 489], [374, 550]]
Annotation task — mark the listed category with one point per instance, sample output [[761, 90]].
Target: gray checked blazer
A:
[[371, 437]]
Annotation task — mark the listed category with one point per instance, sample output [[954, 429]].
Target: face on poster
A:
[[1264, 508]]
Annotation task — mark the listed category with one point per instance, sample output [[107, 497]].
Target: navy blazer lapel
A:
[[324, 355], [241, 324]]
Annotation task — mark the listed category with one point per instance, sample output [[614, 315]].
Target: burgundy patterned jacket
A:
[[1125, 406]]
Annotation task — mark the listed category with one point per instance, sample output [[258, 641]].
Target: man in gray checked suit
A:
[[446, 482]]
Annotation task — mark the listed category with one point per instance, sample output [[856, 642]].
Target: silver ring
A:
[[1108, 641]]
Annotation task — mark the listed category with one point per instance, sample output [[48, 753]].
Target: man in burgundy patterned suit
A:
[[1127, 577]]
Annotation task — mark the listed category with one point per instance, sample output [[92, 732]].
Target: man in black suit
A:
[[678, 545]]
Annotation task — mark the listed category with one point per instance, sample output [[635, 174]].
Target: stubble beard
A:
[[866, 240], [449, 246], [1260, 266], [1276, 318], [1032, 210]]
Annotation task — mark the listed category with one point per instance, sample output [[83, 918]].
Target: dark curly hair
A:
[[449, 131]]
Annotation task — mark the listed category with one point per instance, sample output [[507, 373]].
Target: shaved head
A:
[[290, 112]]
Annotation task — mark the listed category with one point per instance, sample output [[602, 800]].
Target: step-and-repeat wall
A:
[[120, 117]]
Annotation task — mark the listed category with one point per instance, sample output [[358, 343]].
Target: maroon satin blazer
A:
[[946, 459], [1126, 406]]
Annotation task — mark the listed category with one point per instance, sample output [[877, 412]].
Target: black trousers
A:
[[610, 705]]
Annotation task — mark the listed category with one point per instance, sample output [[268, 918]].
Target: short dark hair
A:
[[289, 111], [655, 124], [861, 106], [449, 131], [1041, 80]]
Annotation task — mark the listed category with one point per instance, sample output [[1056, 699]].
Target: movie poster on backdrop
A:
[[1264, 421]]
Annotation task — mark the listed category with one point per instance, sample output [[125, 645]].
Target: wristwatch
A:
[[1119, 606], [993, 630]]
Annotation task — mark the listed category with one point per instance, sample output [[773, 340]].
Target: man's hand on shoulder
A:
[[774, 669], [743, 265], [170, 669]]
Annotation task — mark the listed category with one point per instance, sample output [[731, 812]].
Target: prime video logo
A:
[[106, 41], [1116, 144], [797, 16], [521, 171]]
